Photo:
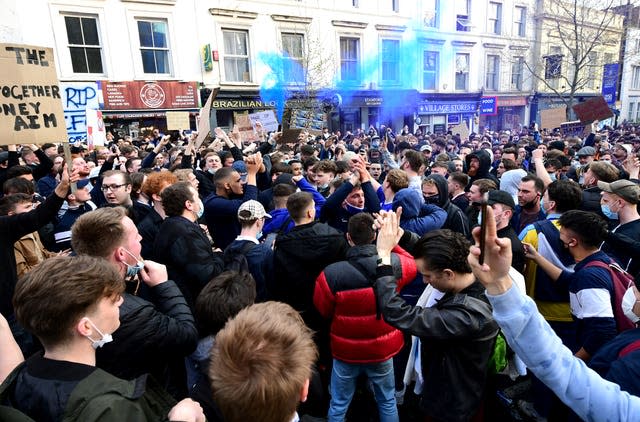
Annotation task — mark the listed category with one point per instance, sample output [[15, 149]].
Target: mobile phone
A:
[[483, 226]]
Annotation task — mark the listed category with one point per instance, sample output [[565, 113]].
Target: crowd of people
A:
[[329, 277]]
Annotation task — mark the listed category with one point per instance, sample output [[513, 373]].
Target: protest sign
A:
[[243, 123], [96, 133], [31, 107], [462, 130], [204, 123], [575, 128], [178, 120], [290, 136], [552, 118], [267, 118], [593, 109]]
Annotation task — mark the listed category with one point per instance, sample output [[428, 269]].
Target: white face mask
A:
[[104, 338], [628, 301]]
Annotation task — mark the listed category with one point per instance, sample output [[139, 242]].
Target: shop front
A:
[[228, 102], [365, 108], [435, 114], [132, 106], [510, 114]]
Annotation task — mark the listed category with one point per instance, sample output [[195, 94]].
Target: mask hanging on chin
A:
[[353, 210], [104, 338]]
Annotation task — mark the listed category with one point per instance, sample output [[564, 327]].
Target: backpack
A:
[[236, 260], [621, 281]]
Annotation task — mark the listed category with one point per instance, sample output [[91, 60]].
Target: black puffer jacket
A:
[[151, 336], [457, 335], [299, 257], [184, 248]]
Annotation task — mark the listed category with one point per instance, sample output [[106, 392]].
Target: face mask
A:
[[530, 205], [628, 300], [542, 205], [323, 187], [433, 199], [211, 171], [552, 176], [104, 338], [608, 213], [354, 210], [200, 212], [133, 270]]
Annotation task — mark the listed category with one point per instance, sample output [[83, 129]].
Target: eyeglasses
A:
[[113, 188]]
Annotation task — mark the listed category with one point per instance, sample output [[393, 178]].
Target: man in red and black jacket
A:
[[361, 341]]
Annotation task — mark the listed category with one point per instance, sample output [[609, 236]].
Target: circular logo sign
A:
[[152, 95]]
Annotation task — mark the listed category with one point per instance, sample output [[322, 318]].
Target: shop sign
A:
[[489, 106], [512, 102], [140, 95], [372, 101], [447, 108], [237, 104]]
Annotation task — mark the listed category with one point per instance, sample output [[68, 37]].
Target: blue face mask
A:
[[200, 212], [354, 210], [133, 270], [608, 213]]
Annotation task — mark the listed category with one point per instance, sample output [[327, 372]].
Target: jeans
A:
[[343, 384]]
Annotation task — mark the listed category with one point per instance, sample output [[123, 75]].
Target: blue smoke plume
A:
[[398, 95]]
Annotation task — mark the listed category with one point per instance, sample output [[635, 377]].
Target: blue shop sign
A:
[[610, 82], [447, 108], [489, 106]]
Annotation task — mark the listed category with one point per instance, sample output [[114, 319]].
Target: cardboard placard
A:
[[593, 109], [462, 130], [178, 120], [204, 125], [552, 118], [31, 107], [267, 118], [243, 123], [290, 136]]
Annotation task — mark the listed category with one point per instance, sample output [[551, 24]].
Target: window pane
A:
[[94, 59], [235, 43], [159, 34], [461, 81], [148, 61], [78, 60], [74, 33], [90, 31], [162, 61], [144, 32]]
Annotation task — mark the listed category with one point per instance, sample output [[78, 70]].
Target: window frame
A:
[[394, 63], [495, 80], [434, 11], [495, 22], [153, 48], [518, 63], [288, 78], [226, 55], [357, 77], [465, 72], [463, 21], [635, 77], [435, 70], [84, 46], [520, 21]]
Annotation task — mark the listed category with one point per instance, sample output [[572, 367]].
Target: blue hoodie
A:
[[418, 217]]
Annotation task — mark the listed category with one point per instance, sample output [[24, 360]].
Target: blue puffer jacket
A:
[[418, 217]]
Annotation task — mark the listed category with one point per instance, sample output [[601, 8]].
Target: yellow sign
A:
[[177, 120]]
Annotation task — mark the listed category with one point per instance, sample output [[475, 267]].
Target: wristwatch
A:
[[384, 260]]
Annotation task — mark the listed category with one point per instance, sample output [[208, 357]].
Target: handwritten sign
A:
[[267, 118], [552, 118], [462, 130], [575, 128], [30, 110], [243, 123], [177, 120], [77, 98]]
